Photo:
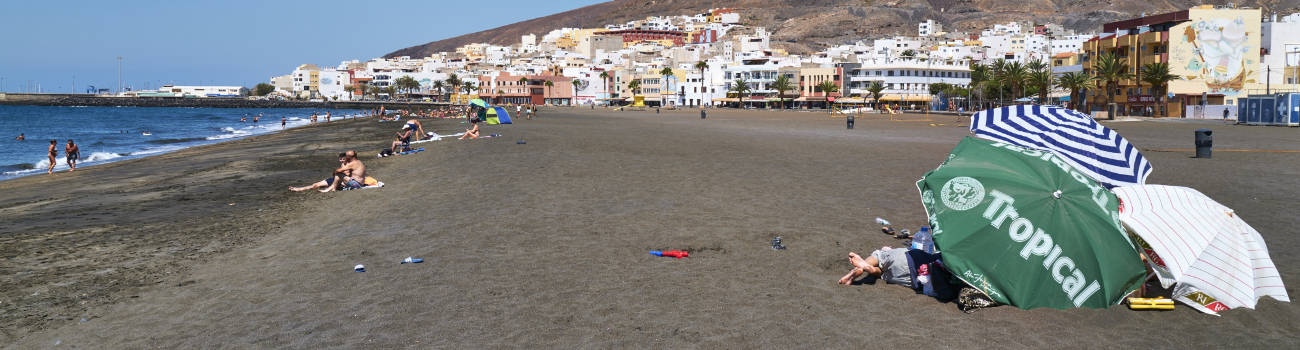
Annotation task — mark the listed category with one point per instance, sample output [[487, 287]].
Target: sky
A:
[[57, 44]]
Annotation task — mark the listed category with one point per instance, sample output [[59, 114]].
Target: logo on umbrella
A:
[[962, 193]]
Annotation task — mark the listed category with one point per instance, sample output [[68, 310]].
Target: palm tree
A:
[[828, 87], [1157, 75], [663, 85], [1042, 81], [454, 82], [704, 86], [1075, 82], [634, 85], [979, 75], [548, 85], [1014, 76], [741, 87], [604, 81], [349, 89], [468, 87], [438, 86], [1110, 70], [909, 54], [875, 89], [781, 85]]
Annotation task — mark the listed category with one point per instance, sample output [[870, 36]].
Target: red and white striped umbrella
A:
[[1216, 260]]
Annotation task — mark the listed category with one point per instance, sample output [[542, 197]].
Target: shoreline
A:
[[105, 158]]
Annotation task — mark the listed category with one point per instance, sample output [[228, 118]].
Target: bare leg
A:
[[338, 179], [316, 185], [51, 171], [852, 275]]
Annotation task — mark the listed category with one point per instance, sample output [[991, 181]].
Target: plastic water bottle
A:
[[923, 240], [882, 222]]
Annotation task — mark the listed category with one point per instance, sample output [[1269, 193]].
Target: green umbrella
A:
[[478, 102], [1028, 229]]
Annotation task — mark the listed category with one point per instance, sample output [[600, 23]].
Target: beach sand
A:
[[545, 244]]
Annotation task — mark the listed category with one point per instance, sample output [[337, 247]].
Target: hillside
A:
[[808, 25]]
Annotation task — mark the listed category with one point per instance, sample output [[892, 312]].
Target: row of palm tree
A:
[[1108, 72]]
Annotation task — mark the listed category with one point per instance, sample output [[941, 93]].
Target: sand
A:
[[545, 244]]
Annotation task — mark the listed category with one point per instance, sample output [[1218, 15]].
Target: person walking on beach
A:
[[282, 122], [54, 153], [74, 154], [327, 117]]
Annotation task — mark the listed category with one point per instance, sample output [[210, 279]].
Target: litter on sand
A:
[[671, 254], [412, 260], [359, 268]]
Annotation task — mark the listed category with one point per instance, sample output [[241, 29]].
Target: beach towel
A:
[[377, 184]]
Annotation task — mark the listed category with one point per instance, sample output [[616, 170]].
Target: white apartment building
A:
[[906, 78], [760, 41], [929, 28], [1069, 43], [1281, 62]]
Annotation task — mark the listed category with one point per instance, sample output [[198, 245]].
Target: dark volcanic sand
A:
[[545, 244]]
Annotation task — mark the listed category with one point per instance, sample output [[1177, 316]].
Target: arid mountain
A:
[[808, 25]]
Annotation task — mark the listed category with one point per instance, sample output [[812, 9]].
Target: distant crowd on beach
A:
[[351, 172]]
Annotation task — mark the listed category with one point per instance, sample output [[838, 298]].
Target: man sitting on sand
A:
[[351, 174], [889, 264]]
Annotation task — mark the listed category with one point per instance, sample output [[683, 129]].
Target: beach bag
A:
[[937, 280]]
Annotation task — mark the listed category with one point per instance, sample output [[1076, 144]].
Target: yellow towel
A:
[[370, 181]]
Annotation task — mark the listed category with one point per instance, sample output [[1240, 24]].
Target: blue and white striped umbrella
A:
[[1090, 147]]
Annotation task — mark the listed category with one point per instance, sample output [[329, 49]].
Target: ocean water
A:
[[107, 134]]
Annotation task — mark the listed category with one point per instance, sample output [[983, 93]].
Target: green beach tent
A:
[[478, 103], [1028, 229]]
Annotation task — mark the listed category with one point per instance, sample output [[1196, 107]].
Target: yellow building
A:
[[1214, 52]]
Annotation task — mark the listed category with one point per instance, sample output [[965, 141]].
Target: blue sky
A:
[[225, 42]]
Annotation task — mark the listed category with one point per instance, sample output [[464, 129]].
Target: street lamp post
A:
[[119, 75]]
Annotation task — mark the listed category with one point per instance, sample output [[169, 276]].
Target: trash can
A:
[[1204, 142], [849, 120], [702, 114]]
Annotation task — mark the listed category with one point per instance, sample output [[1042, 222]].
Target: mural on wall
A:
[[1223, 52]]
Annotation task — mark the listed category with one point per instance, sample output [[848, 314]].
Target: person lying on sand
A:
[[889, 264], [351, 174], [403, 139]]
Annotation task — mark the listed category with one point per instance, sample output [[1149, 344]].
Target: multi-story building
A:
[[505, 88], [811, 79], [1281, 58], [906, 81], [929, 28], [1214, 52]]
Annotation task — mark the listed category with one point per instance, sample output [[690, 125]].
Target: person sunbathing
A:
[[472, 132], [351, 174], [889, 264], [403, 139]]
